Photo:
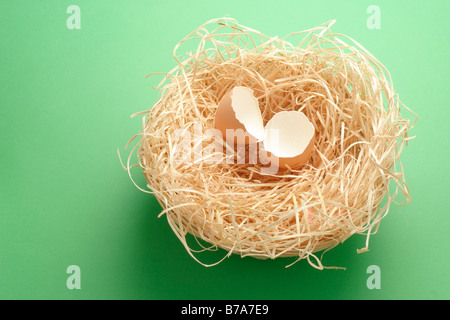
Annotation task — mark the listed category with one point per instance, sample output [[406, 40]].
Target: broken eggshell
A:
[[238, 112], [289, 139]]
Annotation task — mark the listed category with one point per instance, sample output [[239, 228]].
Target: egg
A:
[[289, 139], [238, 112]]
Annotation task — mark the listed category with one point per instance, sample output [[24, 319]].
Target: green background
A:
[[66, 99]]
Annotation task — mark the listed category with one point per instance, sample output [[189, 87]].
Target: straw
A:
[[343, 190]]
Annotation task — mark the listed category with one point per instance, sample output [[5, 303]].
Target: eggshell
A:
[[289, 139], [295, 162], [239, 109]]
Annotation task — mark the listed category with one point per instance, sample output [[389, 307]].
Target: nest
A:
[[344, 189]]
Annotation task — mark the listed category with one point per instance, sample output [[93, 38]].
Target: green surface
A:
[[66, 97]]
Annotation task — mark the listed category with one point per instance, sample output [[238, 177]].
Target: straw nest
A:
[[343, 190]]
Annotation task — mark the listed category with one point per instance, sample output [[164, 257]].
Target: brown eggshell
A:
[[293, 162], [225, 118]]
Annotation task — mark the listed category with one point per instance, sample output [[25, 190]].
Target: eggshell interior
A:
[[289, 136], [293, 162]]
